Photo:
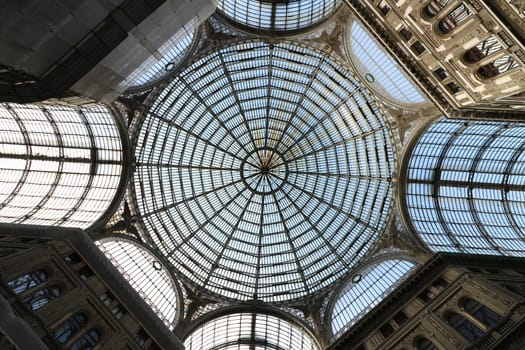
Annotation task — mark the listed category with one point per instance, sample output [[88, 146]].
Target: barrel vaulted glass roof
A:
[[381, 71], [278, 16], [263, 171], [146, 274], [248, 331], [464, 190], [59, 165]]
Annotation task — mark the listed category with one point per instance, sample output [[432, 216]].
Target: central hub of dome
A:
[[264, 171]]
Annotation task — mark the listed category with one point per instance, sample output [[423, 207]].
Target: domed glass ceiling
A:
[[278, 16], [263, 172]]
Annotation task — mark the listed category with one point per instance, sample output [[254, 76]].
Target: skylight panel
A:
[[382, 72]]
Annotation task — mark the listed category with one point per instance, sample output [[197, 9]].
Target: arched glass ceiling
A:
[[59, 165], [464, 190], [380, 69], [365, 290], [146, 274], [263, 171], [248, 331], [278, 16], [165, 59]]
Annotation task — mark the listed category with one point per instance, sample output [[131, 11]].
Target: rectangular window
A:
[[440, 73], [383, 8], [405, 34], [417, 48], [118, 311]]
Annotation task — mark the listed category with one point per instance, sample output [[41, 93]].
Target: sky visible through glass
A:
[[146, 274], [246, 330], [388, 77], [465, 187], [264, 171], [278, 16], [59, 165], [359, 296]]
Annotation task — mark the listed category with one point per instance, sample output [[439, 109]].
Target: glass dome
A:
[[263, 172], [277, 16], [146, 274]]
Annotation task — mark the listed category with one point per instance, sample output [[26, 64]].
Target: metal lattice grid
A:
[[364, 290], [379, 69], [263, 172], [146, 274], [464, 190], [248, 331], [59, 165], [278, 16]]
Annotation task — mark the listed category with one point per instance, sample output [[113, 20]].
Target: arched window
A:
[[380, 69], [422, 343], [499, 66], [365, 291], [484, 49], [87, 341], [480, 312], [454, 18], [434, 7], [71, 326], [467, 329], [42, 296], [27, 281]]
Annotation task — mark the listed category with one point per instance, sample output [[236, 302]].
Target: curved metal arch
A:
[[407, 158], [476, 161], [436, 185], [62, 123], [512, 220], [478, 149]]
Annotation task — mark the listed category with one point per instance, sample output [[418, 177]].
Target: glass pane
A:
[[464, 327], [27, 281], [381, 70]]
